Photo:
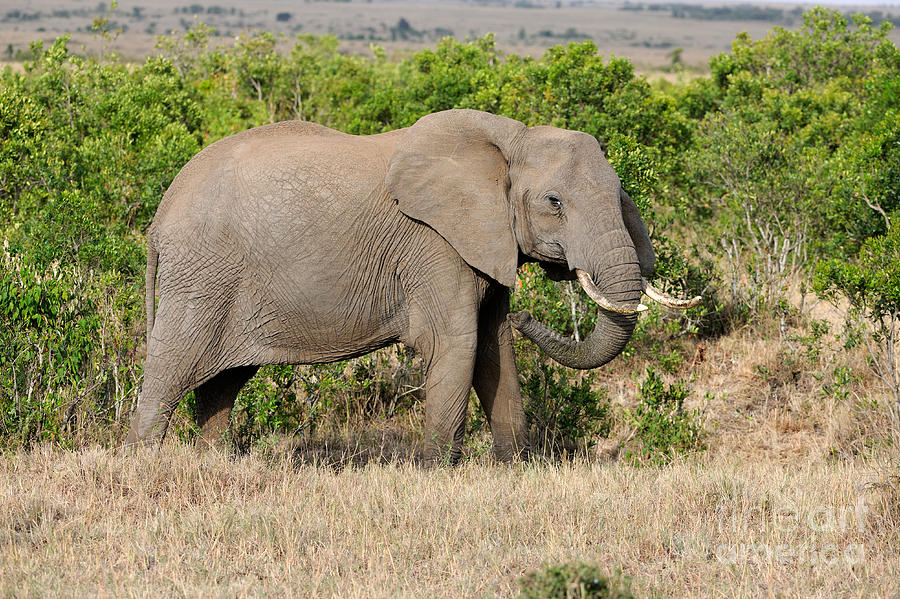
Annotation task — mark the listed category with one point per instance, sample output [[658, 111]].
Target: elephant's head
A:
[[501, 193]]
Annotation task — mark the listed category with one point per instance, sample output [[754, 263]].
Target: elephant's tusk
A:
[[587, 283], [667, 300]]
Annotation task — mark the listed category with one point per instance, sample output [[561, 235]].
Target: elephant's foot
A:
[[511, 452], [441, 453], [147, 429]]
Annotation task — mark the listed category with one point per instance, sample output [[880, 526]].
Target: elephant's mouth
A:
[[613, 328], [557, 271], [560, 272], [657, 295]]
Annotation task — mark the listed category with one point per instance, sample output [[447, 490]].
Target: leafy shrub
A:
[[794, 157], [663, 428], [871, 283], [301, 399], [828, 46], [572, 581], [565, 414], [67, 369], [761, 184]]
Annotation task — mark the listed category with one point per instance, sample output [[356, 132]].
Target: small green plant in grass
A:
[[815, 341], [838, 390], [664, 428], [572, 581]]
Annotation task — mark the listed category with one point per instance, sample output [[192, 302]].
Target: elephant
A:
[[293, 243]]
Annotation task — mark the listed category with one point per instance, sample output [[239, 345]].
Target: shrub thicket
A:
[[663, 427], [787, 154]]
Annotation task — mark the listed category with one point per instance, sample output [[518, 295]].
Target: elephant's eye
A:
[[554, 201]]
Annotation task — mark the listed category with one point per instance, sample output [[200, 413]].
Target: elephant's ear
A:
[[639, 235], [450, 171]]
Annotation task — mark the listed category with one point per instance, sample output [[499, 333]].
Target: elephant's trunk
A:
[[605, 342], [615, 323]]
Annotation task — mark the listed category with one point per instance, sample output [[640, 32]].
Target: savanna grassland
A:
[[747, 447], [98, 523]]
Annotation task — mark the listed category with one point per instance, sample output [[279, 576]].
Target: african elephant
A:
[[293, 243]]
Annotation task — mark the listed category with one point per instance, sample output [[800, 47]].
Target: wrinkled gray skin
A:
[[297, 244]]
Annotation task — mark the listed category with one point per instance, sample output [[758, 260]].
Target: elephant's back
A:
[[268, 168], [289, 225], [287, 206]]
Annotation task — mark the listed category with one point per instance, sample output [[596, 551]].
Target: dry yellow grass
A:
[[100, 523]]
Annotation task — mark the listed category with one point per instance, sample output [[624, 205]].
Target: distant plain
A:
[[647, 33]]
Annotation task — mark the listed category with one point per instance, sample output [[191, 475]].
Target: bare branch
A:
[[876, 208]]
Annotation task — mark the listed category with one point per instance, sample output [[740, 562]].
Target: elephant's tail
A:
[[150, 284]]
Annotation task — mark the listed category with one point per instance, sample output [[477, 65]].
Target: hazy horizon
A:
[[646, 35]]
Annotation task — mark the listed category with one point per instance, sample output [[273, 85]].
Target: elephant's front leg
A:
[[496, 379], [448, 380], [443, 329]]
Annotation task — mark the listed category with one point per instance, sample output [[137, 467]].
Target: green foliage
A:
[[573, 581], [762, 180], [67, 369], [565, 414], [794, 157], [663, 428], [871, 284], [787, 155], [741, 12], [89, 149], [562, 306], [838, 388], [813, 343], [827, 47], [300, 399]]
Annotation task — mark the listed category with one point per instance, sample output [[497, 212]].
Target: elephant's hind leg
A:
[[183, 352], [215, 399], [162, 389], [496, 379]]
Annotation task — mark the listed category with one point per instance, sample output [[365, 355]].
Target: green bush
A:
[[565, 414], [827, 47], [871, 283], [572, 581], [663, 428], [794, 156], [67, 370], [302, 399]]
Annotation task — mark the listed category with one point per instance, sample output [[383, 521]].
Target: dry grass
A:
[[100, 523], [770, 395]]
